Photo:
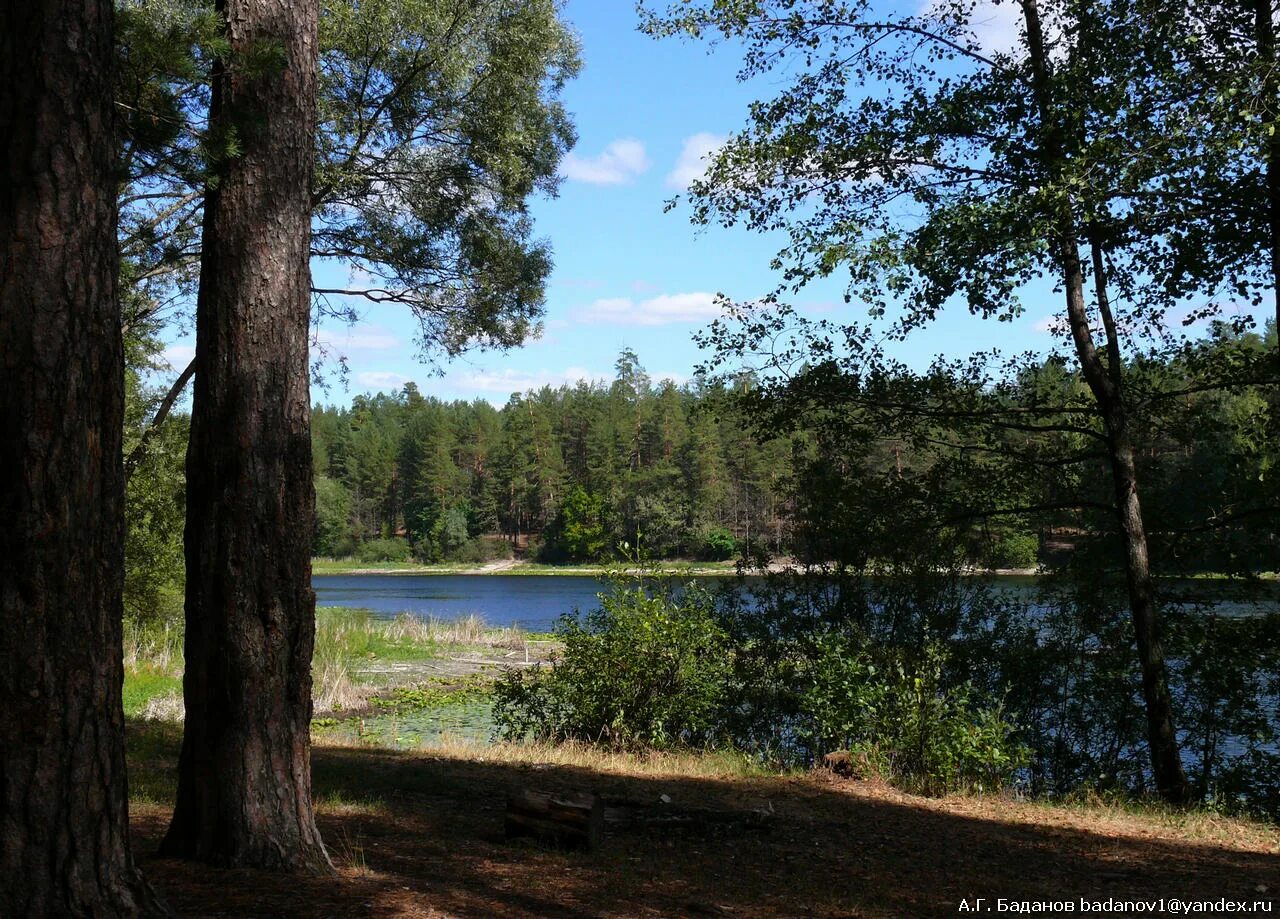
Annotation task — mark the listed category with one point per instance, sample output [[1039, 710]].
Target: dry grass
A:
[[333, 690], [714, 764], [157, 646], [168, 707], [468, 631]]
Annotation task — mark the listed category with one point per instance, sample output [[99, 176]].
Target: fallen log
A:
[[571, 821]]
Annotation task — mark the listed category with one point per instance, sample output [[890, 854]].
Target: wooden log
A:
[[572, 821]]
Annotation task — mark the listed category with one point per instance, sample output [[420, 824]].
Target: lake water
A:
[[533, 602]]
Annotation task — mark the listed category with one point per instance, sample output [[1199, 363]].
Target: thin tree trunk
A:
[[64, 822], [139, 451], [244, 777], [1104, 380]]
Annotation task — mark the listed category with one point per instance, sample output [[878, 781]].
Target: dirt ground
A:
[[420, 835]]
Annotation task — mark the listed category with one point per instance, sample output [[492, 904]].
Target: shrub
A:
[[899, 714], [1016, 550], [719, 545], [384, 550], [482, 549], [648, 668]]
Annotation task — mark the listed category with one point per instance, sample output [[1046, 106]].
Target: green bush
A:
[[333, 519], [896, 712], [483, 549], [578, 533], [647, 669], [1016, 550], [384, 550], [719, 545]]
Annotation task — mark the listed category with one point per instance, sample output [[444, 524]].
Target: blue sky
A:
[[626, 273]]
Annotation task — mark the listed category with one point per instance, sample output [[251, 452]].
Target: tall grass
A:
[[154, 646], [347, 643]]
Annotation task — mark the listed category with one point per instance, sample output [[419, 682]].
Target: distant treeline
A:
[[572, 472], [714, 470]]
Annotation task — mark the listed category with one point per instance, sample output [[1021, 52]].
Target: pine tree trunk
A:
[[244, 795], [64, 823], [1265, 37]]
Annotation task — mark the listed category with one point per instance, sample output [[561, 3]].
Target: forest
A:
[[863, 712], [683, 473], [583, 470]]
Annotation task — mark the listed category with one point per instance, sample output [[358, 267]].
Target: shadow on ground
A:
[[416, 835]]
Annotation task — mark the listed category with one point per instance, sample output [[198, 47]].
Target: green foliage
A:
[[437, 694], [718, 545], [333, 537], [580, 469], [451, 533], [345, 635], [897, 711], [1016, 550], [437, 121], [155, 499], [143, 684], [391, 549], [648, 668], [579, 532]]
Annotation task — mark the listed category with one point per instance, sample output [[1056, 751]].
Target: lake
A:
[[535, 602]]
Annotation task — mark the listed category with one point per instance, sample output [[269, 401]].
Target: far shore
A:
[[524, 568], [528, 568]]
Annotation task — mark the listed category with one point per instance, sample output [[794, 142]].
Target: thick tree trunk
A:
[[1105, 381], [1265, 36], [64, 825], [244, 783]]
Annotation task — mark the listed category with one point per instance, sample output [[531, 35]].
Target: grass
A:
[[357, 657], [143, 686]]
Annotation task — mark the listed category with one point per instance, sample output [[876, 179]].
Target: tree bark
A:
[[244, 795], [64, 823], [1105, 381], [1265, 37]]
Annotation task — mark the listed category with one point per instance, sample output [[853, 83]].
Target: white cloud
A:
[[346, 340], [995, 26], [664, 309], [693, 160], [509, 381], [618, 164], [498, 385], [178, 356], [381, 379]]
